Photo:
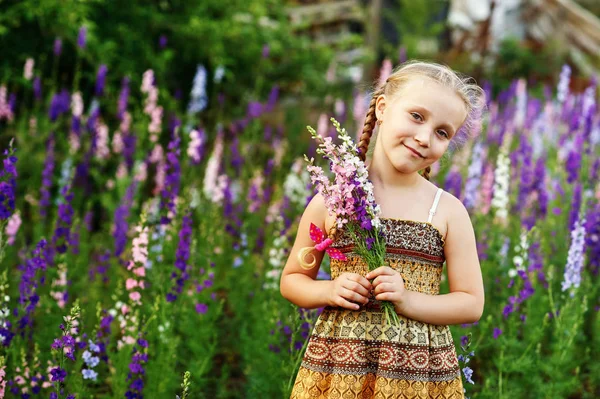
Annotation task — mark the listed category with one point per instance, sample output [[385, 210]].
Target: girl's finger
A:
[[341, 302], [380, 271], [353, 296], [384, 287]]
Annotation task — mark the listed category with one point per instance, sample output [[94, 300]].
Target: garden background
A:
[[153, 179]]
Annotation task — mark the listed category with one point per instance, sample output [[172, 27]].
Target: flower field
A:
[[139, 244]]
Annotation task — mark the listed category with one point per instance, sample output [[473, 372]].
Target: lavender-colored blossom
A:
[[575, 206], [573, 163], [595, 170], [62, 232], [255, 109], [123, 98], [181, 275], [136, 371], [592, 239], [173, 177], [575, 259], [58, 374], [402, 55], [47, 174], [527, 180], [563, 83], [237, 161], [453, 182], [59, 105], [57, 46], [29, 282], [82, 37], [8, 185], [497, 332], [101, 80], [474, 176], [272, 100], [120, 219], [162, 42], [540, 186], [265, 51], [468, 373], [198, 95], [37, 88]]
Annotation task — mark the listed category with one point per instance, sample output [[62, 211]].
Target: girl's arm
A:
[[298, 285], [464, 303]]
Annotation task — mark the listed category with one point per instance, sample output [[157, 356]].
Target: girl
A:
[[353, 352]]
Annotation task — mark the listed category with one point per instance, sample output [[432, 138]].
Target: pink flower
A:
[[135, 296], [140, 271], [131, 284], [13, 227], [386, 71]]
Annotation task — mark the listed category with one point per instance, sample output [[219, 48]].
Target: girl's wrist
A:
[[403, 303]]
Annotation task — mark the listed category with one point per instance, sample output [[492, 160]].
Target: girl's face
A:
[[418, 124]]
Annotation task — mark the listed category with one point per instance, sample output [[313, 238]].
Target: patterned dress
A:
[[356, 354]]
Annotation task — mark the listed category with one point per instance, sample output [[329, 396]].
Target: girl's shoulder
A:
[[451, 212]]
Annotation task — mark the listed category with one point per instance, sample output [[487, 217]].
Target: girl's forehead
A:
[[426, 92]]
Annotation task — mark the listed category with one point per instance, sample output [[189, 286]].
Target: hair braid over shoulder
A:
[[369, 126]]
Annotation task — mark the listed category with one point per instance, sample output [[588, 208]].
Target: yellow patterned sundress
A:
[[356, 354]]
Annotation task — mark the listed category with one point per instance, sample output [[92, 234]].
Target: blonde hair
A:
[[467, 89]]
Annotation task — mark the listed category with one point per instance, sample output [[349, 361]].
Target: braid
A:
[[426, 172], [370, 120]]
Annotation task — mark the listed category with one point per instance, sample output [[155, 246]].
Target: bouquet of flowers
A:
[[351, 200]]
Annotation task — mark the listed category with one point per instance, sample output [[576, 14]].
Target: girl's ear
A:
[[380, 105]]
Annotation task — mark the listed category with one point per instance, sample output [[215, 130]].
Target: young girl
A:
[[353, 352]]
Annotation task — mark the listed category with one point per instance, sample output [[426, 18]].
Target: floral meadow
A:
[[143, 236]]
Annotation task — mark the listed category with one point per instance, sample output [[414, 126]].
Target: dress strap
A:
[[435, 204]]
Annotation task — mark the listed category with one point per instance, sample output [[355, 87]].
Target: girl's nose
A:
[[422, 136]]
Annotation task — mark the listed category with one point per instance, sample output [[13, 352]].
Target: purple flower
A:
[[201, 308], [58, 374], [29, 282], [123, 98], [47, 173], [468, 373], [453, 182], [575, 258], [575, 205], [137, 370], [162, 41], [592, 239], [8, 185], [255, 109], [57, 46], [62, 232], [81, 38], [265, 51], [120, 219], [273, 96], [181, 274], [173, 177], [497, 332], [101, 80], [37, 88], [573, 164], [59, 105]]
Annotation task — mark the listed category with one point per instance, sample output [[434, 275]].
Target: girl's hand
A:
[[348, 290], [388, 285]]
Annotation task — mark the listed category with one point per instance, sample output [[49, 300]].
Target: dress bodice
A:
[[415, 249]]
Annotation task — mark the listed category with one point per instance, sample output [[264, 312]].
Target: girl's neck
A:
[[386, 177]]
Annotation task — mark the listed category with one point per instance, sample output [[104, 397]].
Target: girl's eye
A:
[[443, 133], [416, 116]]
